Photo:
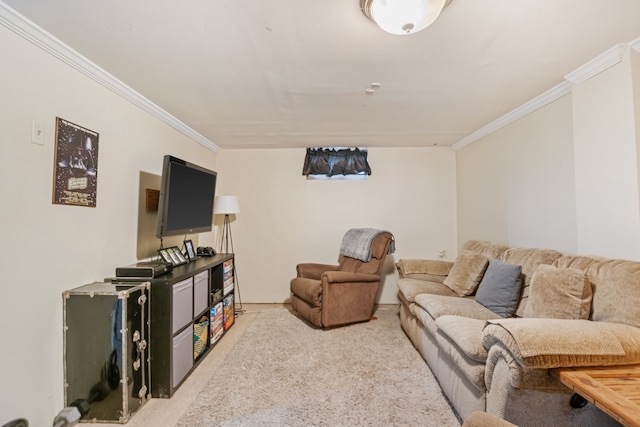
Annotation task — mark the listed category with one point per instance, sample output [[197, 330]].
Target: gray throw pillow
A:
[[500, 287]]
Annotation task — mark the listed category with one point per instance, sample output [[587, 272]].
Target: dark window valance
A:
[[331, 161]]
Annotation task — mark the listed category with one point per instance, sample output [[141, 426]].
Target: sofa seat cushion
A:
[[471, 369], [466, 273], [465, 333], [439, 305], [408, 304], [559, 293], [616, 291], [552, 343], [425, 321], [410, 288]]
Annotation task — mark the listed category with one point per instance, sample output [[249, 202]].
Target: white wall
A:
[[50, 248], [516, 185], [565, 176], [285, 219], [606, 162]]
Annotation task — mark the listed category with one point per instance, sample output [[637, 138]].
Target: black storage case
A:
[[106, 350]]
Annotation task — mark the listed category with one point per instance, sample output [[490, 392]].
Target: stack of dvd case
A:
[[216, 323], [227, 271]]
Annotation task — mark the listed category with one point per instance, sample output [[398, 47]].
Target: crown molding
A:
[[536, 103], [30, 31], [605, 60], [597, 65]]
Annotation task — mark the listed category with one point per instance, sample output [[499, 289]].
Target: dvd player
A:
[[144, 270]]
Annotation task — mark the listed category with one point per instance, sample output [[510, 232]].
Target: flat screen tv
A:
[[186, 198]]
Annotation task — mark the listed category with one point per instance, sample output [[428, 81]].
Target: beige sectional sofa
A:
[[562, 310]]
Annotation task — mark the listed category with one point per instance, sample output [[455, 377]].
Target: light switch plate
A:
[[37, 133]]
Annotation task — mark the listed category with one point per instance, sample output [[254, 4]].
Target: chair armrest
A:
[[348, 297], [313, 270], [424, 269], [554, 343], [345, 277]]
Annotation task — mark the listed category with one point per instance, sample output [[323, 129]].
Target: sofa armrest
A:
[[503, 372], [424, 269], [552, 343], [314, 270], [483, 419]]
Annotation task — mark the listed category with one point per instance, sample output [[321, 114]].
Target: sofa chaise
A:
[[493, 323]]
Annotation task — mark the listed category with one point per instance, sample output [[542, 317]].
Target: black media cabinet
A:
[[194, 296]]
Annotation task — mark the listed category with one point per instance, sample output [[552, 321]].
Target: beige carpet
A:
[[284, 372]]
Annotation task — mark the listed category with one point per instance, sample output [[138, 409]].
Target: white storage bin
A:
[[182, 354], [182, 304], [200, 292]]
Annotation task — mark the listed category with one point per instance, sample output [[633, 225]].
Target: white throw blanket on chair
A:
[[356, 243]]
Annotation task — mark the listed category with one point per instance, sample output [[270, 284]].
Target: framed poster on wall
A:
[[76, 165]]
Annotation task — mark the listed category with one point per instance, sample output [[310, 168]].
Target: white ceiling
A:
[[294, 73]]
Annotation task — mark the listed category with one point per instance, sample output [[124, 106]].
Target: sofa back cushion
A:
[[488, 249], [466, 273], [580, 262], [529, 259], [616, 291], [559, 293]]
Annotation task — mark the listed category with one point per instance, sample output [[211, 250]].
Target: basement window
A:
[[336, 163]]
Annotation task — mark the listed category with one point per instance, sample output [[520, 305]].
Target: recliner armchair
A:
[[335, 295]]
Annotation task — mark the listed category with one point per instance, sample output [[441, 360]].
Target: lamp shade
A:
[[225, 205], [403, 16]]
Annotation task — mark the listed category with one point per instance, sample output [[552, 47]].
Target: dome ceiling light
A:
[[403, 16]]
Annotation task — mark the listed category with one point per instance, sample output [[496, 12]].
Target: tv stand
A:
[[191, 309]]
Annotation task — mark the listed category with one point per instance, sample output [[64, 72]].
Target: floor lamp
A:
[[228, 205]]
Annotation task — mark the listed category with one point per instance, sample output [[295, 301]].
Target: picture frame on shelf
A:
[[178, 255], [164, 254], [173, 255], [191, 252]]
